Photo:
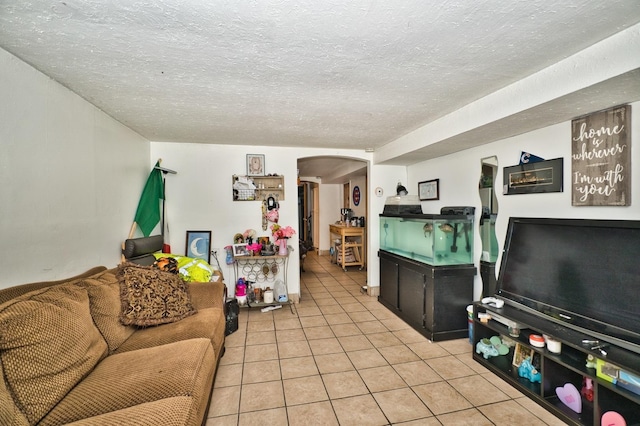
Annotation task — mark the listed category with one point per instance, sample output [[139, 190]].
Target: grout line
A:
[[318, 281]]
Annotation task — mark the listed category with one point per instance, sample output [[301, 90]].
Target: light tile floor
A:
[[342, 358]]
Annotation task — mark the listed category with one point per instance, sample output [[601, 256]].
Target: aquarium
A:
[[489, 240], [438, 240]]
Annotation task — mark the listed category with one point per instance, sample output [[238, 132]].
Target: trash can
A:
[[232, 310], [470, 322]]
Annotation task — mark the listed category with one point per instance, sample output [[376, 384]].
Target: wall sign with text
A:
[[601, 158]]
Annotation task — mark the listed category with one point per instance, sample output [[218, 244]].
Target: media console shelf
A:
[[557, 370]]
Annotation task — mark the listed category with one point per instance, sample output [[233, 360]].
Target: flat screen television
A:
[[581, 273]]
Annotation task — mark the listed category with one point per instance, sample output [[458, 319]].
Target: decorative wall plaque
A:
[[601, 158]]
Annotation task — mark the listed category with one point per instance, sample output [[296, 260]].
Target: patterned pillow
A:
[[150, 296]]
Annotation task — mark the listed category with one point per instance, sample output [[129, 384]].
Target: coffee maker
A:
[[346, 214]]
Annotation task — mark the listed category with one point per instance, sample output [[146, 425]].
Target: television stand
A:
[[557, 370]]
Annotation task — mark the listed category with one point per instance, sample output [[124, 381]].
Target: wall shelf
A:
[[266, 186]]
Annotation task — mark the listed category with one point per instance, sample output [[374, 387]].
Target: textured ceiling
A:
[[335, 74]]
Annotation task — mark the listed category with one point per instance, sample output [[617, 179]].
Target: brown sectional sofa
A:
[[65, 357]]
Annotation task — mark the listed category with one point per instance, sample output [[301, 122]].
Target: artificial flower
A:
[[280, 232], [255, 247]]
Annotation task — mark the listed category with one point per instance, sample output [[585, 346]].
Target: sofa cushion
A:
[[166, 412], [124, 380], [104, 301], [10, 293], [208, 323], [9, 412], [48, 344], [208, 294], [151, 297]]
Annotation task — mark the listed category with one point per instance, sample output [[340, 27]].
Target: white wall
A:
[[330, 205], [385, 177], [199, 197], [459, 174], [71, 179]]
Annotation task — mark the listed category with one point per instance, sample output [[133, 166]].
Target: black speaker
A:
[[232, 309]]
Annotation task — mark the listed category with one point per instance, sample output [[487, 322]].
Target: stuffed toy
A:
[[167, 264]]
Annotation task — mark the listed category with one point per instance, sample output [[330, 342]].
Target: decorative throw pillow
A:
[[150, 296]]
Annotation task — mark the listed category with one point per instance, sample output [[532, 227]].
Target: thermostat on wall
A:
[[379, 192]]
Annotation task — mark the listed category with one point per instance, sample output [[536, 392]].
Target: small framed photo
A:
[[429, 190], [198, 245], [240, 250], [520, 354], [255, 165]]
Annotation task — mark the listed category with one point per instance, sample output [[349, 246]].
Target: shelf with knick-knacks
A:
[[257, 188]]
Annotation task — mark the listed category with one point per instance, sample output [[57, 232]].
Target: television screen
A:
[[584, 273]]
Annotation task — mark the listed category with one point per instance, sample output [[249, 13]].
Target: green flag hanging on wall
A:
[[148, 212]]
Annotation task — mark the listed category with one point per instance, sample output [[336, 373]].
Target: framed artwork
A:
[[601, 158], [429, 190], [240, 250], [532, 178], [255, 164], [198, 245], [265, 241], [356, 195], [520, 353]]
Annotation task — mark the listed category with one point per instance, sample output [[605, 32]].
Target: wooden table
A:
[[350, 237]]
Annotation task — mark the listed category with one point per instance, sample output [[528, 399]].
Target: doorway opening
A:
[[308, 205], [333, 180]]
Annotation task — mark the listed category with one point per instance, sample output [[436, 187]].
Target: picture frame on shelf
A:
[[255, 165], [429, 190], [240, 250], [198, 245], [520, 353]]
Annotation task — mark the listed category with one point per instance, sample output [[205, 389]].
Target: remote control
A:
[[493, 301]]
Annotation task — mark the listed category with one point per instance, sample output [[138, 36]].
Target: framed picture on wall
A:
[[429, 190], [255, 164], [531, 178], [198, 245]]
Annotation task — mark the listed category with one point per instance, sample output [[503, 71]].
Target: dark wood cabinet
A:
[[411, 294], [389, 276], [432, 299]]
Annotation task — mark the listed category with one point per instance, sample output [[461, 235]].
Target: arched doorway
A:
[[325, 183]]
